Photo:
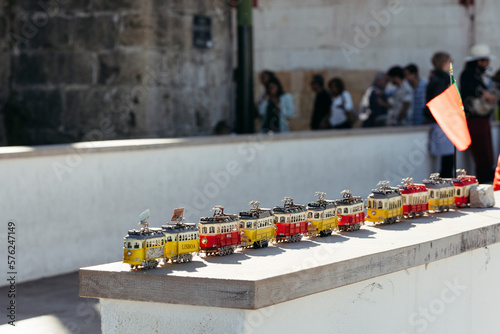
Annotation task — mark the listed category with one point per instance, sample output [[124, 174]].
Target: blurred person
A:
[[322, 103], [419, 86], [400, 112], [264, 78], [478, 104], [377, 102], [342, 107], [276, 107], [496, 84], [439, 144]]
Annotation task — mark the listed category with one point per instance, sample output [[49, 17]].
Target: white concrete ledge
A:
[[253, 279], [147, 144]]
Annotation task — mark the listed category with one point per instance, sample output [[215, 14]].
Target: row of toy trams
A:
[[222, 233]]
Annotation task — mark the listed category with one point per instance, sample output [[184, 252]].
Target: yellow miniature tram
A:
[[182, 241], [257, 227], [441, 193], [384, 204], [144, 247], [147, 246], [321, 217]]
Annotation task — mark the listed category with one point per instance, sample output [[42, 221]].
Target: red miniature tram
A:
[[415, 198], [219, 234], [350, 212], [290, 221], [462, 184]]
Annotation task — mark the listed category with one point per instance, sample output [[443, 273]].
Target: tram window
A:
[[249, 224], [316, 215], [380, 204], [282, 219], [242, 225], [369, 204], [129, 245], [339, 211], [218, 229], [346, 210], [204, 230], [212, 229], [432, 193], [169, 239], [309, 215], [136, 245]]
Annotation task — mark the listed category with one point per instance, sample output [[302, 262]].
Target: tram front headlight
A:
[[204, 241], [129, 253]]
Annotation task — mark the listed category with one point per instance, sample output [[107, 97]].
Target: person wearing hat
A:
[[322, 103], [475, 96]]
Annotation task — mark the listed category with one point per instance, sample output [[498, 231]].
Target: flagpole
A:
[[454, 147]]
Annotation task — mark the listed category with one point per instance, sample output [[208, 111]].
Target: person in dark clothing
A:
[[475, 96], [439, 81], [322, 103], [378, 102]]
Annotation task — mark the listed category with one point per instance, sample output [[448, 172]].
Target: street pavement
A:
[[51, 305]]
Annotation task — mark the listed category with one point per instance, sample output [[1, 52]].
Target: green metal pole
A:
[[244, 97]]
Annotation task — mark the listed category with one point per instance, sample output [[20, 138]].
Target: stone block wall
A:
[[93, 69]]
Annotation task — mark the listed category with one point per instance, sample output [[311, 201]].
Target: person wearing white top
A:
[[401, 111], [275, 108], [342, 105]]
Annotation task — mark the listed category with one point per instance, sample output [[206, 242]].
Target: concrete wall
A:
[[355, 39], [126, 69], [73, 204], [439, 297]]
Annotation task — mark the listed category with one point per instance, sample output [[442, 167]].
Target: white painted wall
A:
[[455, 295], [70, 217], [315, 34]]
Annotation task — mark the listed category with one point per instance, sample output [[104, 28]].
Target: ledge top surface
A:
[[253, 278]]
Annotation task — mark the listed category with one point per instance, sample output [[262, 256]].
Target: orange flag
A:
[[448, 111]]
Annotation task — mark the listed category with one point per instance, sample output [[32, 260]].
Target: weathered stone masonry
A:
[[94, 69]]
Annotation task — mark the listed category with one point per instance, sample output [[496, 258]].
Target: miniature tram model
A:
[[350, 212], [384, 204], [257, 227], [222, 233], [441, 193], [462, 184], [290, 221], [415, 198], [322, 216]]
